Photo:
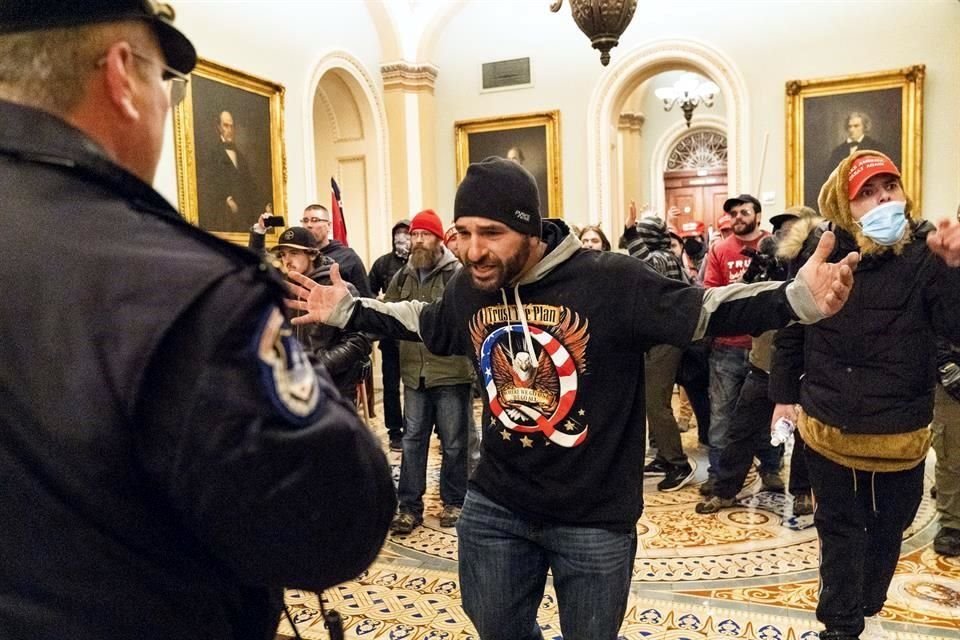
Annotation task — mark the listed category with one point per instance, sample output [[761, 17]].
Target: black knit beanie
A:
[[500, 190]]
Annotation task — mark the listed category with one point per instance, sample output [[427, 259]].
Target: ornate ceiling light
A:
[[689, 92], [603, 21]]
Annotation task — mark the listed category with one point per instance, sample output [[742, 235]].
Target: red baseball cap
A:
[[724, 222], [866, 167], [693, 229]]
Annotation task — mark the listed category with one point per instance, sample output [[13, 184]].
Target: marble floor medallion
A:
[[749, 572]]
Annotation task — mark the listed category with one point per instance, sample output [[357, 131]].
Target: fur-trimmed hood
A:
[[834, 202], [791, 245]]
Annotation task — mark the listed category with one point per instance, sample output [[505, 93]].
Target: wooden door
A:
[[698, 194]]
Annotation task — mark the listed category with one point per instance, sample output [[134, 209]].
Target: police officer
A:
[[168, 459]]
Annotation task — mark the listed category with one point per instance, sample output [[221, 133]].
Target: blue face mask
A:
[[885, 224]]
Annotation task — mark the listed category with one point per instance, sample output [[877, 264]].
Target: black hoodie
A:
[[560, 356]]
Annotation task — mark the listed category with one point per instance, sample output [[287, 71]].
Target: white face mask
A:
[[401, 244], [885, 223]]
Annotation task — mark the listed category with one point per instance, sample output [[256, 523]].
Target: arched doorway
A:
[[346, 140], [614, 89]]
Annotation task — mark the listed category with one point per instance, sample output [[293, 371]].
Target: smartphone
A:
[[273, 221]]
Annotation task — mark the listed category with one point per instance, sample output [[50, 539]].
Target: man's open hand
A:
[[829, 283], [317, 300], [945, 241]]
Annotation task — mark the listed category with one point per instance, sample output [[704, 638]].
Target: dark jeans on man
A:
[[748, 436], [694, 376], [728, 369], [860, 520], [799, 475], [449, 407], [390, 376], [504, 559]]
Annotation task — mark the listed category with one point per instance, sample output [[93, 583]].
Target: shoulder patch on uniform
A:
[[286, 373]]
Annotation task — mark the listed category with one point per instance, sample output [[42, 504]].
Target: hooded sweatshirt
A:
[[557, 353], [865, 377], [649, 241], [388, 264]]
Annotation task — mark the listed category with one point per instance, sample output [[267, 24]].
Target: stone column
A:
[[410, 104]]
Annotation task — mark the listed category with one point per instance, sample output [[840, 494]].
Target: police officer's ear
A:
[[118, 81]]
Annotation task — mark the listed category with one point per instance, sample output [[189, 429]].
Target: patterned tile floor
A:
[[745, 573]]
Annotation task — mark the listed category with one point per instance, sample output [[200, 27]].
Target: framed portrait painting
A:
[[829, 118], [228, 134], [531, 139]]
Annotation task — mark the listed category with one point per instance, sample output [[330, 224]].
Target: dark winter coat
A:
[[169, 460]]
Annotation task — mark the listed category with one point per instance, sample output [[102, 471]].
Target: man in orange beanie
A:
[[436, 389]]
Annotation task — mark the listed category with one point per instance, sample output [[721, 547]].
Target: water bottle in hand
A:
[[782, 431]]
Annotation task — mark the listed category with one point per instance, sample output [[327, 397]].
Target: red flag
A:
[[336, 212]]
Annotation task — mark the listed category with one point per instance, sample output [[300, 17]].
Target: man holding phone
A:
[[316, 219]]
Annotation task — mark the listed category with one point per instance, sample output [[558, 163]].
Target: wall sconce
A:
[[603, 21], [689, 92]]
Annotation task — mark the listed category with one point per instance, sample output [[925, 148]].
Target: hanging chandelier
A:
[[689, 92], [603, 21]]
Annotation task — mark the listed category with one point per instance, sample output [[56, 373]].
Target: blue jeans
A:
[[449, 408], [504, 560], [728, 370]]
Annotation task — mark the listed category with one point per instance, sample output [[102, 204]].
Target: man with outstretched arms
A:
[[556, 333]]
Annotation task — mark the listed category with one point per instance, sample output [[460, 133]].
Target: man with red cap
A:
[[860, 385], [436, 389]]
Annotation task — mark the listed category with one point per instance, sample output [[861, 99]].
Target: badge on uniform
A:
[[287, 374]]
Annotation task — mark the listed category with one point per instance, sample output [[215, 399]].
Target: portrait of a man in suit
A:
[[230, 197], [836, 125], [232, 133], [858, 126]]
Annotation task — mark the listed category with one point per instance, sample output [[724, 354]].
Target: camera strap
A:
[[332, 621]]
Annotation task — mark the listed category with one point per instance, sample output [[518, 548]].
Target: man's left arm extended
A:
[[819, 291]]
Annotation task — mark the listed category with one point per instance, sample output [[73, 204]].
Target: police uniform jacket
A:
[[168, 460]]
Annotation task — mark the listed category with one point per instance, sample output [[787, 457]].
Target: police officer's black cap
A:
[[743, 198], [34, 15]]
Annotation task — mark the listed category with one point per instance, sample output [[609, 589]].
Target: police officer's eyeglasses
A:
[[313, 220], [176, 81]]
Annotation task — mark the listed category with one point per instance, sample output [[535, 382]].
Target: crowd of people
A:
[[172, 436]]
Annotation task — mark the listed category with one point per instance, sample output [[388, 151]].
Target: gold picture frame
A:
[[890, 109], [222, 192], [535, 135]]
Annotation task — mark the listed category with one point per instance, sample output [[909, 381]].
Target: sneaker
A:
[[657, 467], [873, 630], [706, 489], [449, 516], [771, 482], [404, 522], [714, 504], [396, 444], [676, 477], [947, 542], [802, 504]]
